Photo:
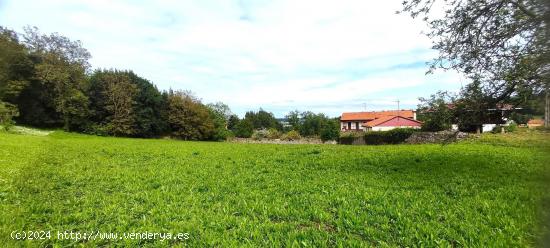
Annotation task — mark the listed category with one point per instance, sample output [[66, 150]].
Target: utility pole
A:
[[365, 107], [398, 114]]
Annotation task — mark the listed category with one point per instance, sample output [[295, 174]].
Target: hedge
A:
[[394, 136]]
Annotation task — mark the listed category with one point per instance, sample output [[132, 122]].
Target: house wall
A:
[[488, 127], [387, 128], [344, 125], [485, 127]]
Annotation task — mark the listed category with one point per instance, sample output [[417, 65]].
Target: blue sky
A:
[[281, 55]]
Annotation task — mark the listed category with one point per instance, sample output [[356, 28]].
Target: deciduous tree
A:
[[502, 44], [188, 118], [119, 95]]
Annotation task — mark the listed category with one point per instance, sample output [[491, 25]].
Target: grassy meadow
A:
[[491, 191]]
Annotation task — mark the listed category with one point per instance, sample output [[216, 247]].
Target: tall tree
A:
[[148, 107], [232, 122], [16, 69], [502, 44], [188, 118], [119, 102], [60, 67], [262, 120], [15, 74], [293, 118], [220, 114]]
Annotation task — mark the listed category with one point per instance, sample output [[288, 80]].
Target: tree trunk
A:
[[66, 123], [547, 109]]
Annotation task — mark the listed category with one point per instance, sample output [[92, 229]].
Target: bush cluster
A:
[[394, 136], [291, 135], [512, 127]]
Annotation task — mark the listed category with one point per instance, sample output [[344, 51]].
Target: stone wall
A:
[[435, 137], [279, 141]]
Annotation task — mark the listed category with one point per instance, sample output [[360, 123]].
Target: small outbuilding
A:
[[535, 123]]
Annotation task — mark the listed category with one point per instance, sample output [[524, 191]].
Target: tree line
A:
[[46, 81]]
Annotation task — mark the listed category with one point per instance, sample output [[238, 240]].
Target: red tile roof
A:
[[385, 119], [536, 122], [365, 116]]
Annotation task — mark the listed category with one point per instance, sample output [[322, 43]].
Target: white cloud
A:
[[281, 55]]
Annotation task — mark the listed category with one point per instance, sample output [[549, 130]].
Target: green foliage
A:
[[435, 113], [479, 39], [16, 69], [149, 108], [291, 135], [310, 124], [60, 67], [220, 115], [120, 101], [7, 112], [259, 135], [352, 137], [521, 118], [189, 119], [394, 136], [480, 193], [262, 120], [96, 129], [330, 130], [229, 135], [294, 120], [143, 107], [273, 133], [233, 122], [46, 77], [244, 129], [497, 129], [512, 127]]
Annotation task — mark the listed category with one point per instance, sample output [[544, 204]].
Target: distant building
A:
[[496, 118], [378, 120], [535, 123]]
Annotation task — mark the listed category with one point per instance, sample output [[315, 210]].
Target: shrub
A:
[[351, 137], [222, 134], [511, 127], [394, 136], [244, 129], [354, 134], [435, 113], [7, 112], [259, 135], [229, 135], [291, 135], [497, 129], [96, 129], [331, 130], [273, 133]]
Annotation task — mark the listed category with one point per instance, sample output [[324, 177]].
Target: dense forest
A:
[[46, 81]]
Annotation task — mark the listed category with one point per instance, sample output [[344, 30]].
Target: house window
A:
[[349, 125], [357, 125]]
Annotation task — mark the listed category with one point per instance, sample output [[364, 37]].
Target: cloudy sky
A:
[[281, 55]]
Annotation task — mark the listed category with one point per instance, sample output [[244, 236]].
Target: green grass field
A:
[[492, 191]]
